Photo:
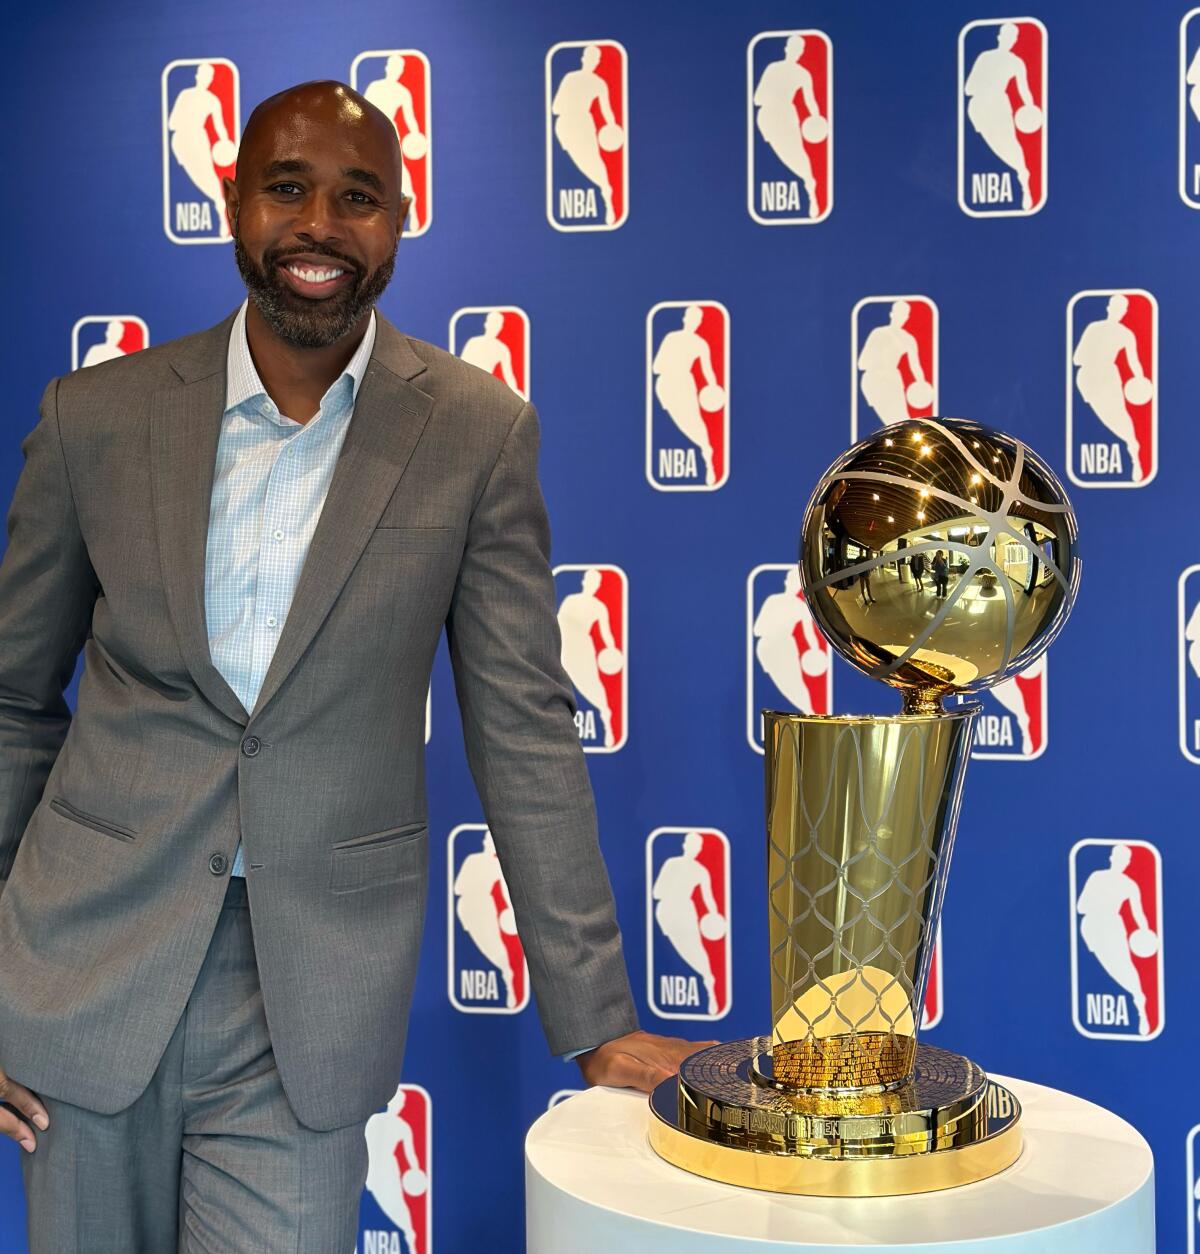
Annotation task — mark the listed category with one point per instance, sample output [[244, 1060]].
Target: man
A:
[[213, 877]]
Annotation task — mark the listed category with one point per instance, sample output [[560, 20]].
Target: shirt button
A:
[[277, 534], [272, 620], [217, 863], [251, 745]]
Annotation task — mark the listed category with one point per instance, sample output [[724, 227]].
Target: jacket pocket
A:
[[377, 858], [68, 811]]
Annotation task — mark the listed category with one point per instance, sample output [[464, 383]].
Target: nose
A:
[[317, 220]]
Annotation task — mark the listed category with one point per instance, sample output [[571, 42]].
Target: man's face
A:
[[317, 212]]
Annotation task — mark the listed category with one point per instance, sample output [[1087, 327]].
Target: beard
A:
[[307, 323]]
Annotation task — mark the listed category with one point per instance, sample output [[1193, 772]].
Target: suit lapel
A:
[[389, 415]]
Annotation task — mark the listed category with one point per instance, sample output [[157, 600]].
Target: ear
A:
[[402, 215], [230, 188]]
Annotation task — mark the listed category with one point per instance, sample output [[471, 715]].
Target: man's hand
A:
[[18, 1096], [638, 1060]]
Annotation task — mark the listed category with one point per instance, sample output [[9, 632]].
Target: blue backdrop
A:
[[713, 207]]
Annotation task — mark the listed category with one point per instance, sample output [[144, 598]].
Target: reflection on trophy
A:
[[840, 1100]]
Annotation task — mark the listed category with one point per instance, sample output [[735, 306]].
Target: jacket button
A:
[[251, 745], [217, 863]]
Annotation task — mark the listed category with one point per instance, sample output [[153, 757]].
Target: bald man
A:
[[213, 875]]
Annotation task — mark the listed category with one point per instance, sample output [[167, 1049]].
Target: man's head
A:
[[316, 210]]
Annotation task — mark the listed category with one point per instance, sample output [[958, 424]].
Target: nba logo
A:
[[396, 81], [201, 126], [689, 973], [1012, 725], [893, 361], [1112, 388], [1189, 109], [687, 396], [101, 337], [1002, 117], [396, 1202], [587, 135], [496, 339], [486, 964], [786, 656], [931, 1011], [1193, 1187], [1189, 664], [789, 124], [1116, 940], [593, 619]]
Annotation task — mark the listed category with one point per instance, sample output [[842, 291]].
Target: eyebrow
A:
[[293, 165]]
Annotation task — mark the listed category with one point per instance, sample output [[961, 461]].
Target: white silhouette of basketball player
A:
[[476, 909], [1103, 928], [385, 1132], [390, 96], [489, 352], [990, 108], [1193, 79], [577, 614], [1009, 694], [1099, 380], [777, 120], [111, 347], [675, 385], [1191, 633], [882, 383], [575, 128], [775, 643], [675, 911], [194, 107]]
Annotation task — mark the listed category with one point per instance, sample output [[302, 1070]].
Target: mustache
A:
[[277, 255]]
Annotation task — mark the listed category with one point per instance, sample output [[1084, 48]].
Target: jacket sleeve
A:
[[47, 591], [518, 709]]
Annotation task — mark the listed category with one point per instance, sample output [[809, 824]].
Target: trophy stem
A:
[[861, 814]]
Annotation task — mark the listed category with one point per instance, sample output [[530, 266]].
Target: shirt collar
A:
[[241, 378]]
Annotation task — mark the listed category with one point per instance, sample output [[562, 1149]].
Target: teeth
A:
[[315, 276]]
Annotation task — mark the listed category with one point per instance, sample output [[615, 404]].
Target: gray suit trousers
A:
[[210, 1159]]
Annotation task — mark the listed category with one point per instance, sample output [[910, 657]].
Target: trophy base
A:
[[725, 1118]]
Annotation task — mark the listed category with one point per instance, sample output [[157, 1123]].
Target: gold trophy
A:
[[940, 557]]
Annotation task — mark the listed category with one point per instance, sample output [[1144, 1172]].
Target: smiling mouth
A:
[[314, 281]]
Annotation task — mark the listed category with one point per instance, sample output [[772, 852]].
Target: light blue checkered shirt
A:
[[269, 484]]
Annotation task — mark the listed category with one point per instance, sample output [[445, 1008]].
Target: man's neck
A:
[[296, 378]]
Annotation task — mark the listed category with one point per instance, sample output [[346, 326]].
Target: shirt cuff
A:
[[576, 1052]]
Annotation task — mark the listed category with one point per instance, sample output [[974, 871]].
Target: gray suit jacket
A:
[[109, 819]]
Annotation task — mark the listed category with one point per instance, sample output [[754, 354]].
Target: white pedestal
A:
[[1084, 1183]]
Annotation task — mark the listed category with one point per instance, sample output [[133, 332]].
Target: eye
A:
[[366, 200], [275, 187]]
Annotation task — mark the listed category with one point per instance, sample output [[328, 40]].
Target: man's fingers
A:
[[25, 1104], [16, 1130]]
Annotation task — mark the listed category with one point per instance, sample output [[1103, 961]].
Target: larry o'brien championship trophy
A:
[[840, 1100]]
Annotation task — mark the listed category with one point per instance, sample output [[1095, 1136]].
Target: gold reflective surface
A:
[[939, 490], [860, 824]]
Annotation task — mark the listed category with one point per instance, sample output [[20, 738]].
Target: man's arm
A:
[[47, 591], [518, 710]]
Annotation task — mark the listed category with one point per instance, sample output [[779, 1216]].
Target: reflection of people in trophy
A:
[[575, 128], [475, 907], [111, 347], [990, 108], [1192, 78], [391, 97], [577, 615], [489, 352], [882, 383], [1009, 694], [675, 911], [778, 124], [1191, 633], [675, 384], [1099, 380], [188, 120], [775, 643], [386, 1132], [1103, 928]]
